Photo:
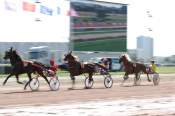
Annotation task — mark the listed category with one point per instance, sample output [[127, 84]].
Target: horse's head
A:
[[124, 58], [11, 54], [8, 54], [121, 58], [69, 57]]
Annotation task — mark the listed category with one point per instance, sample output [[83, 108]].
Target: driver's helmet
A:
[[152, 61]]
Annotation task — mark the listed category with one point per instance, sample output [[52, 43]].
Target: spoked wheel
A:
[[156, 79], [108, 81], [89, 82], [34, 84], [54, 83]]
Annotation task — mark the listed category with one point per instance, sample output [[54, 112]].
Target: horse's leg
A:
[[73, 81], [90, 76], [125, 78], [41, 73], [135, 78], [17, 79], [5, 81], [30, 79], [149, 80], [147, 73]]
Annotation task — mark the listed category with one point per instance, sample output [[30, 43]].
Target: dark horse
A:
[[77, 68], [133, 68], [20, 67]]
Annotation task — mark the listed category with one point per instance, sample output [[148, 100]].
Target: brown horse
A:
[[133, 68], [20, 67], [77, 68]]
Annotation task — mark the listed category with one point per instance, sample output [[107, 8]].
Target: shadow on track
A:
[[15, 92], [135, 85], [86, 88]]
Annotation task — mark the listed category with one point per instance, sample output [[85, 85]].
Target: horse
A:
[[20, 66], [133, 68], [77, 68]]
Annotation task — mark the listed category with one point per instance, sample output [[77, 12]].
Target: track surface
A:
[[13, 93]]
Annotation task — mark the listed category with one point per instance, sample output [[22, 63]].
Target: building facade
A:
[[145, 48]]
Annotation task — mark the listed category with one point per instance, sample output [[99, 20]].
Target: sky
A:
[[162, 23], [19, 25]]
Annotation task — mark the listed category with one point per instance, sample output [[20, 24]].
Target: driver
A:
[[53, 65], [153, 66]]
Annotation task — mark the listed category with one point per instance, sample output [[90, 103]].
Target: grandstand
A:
[[99, 26]]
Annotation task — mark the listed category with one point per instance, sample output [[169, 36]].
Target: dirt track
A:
[[13, 94]]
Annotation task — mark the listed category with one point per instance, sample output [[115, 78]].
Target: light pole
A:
[[37, 19], [149, 17]]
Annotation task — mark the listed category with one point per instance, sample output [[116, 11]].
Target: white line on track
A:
[[156, 106]]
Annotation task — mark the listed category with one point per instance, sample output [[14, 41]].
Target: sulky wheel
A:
[[54, 83], [89, 82], [156, 79], [108, 81], [34, 84]]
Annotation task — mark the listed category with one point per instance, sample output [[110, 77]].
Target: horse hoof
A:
[[20, 82], [86, 88], [71, 88], [25, 88], [149, 80]]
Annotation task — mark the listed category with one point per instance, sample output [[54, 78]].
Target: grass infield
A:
[[108, 44]]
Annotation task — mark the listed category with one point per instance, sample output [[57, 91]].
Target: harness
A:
[[26, 62]]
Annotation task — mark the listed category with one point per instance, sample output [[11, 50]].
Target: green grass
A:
[[166, 69], [111, 44], [98, 31]]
